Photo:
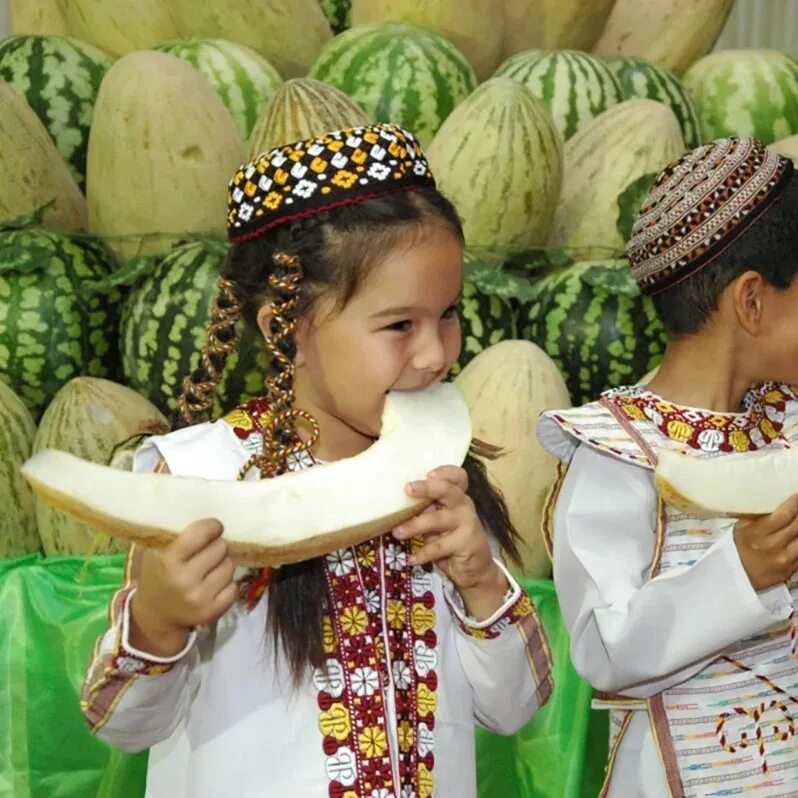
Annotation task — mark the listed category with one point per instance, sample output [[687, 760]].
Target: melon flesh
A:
[[736, 485], [273, 521]]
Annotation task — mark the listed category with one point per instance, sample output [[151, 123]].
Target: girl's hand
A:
[[455, 540], [185, 584]]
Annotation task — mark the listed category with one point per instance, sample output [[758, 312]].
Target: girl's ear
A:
[[300, 336], [264, 319], [748, 299]]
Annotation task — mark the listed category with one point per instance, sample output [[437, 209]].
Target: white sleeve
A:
[[631, 634], [132, 699], [506, 658]]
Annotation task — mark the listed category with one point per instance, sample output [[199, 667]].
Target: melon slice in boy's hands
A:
[[738, 485], [276, 521]]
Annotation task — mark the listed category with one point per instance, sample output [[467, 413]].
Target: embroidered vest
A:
[[377, 691], [729, 729]]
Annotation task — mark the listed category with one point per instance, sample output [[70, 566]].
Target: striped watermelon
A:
[[485, 319], [89, 418], [338, 13], [59, 78], [640, 78], [163, 331], [53, 326], [244, 79], [575, 87], [18, 533], [745, 93], [398, 73], [594, 323], [499, 157], [303, 108]]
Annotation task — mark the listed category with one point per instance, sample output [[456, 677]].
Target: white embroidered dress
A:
[[392, 716]]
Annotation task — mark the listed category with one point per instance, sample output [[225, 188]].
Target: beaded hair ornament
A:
[[285, 184], [699, 205]]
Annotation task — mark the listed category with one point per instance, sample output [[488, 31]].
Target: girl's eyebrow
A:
[[397, 311], [407, 309]]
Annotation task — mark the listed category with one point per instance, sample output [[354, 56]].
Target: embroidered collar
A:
[[760, 422]]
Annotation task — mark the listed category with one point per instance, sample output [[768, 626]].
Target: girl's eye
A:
[[400, 326], [452, 312]]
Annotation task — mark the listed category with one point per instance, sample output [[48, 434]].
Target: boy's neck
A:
[[702, 371]]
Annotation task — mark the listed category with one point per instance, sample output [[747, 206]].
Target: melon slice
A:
[[736, 485], [273, 521]]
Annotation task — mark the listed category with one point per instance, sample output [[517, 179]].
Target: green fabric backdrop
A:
[[51, 611]]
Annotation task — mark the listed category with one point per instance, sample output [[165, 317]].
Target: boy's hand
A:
[[455, 540], [768, 546], [185, 584]]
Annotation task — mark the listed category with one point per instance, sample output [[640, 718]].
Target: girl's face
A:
[[401, 331]]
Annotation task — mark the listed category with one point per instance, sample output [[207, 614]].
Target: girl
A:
[[358, 675]]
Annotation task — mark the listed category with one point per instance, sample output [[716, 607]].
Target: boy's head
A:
[[724, 210]]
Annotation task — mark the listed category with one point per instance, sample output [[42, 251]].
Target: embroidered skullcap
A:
[[699, 205], [300, 180]]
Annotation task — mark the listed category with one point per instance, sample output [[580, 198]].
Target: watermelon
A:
[[89, 418], [53, 325], [633, 141], [59, 78], [338, 13], [593, 322], [301, 109], [575, 87], [243, 78], [18, 533], [499, 157], [746, 93], [485, 319], [640, 78], [398, 73], [163, 331]]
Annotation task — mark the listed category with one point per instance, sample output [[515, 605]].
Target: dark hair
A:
[[335, 251], [769, 246]]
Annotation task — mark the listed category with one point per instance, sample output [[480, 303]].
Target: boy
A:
[[686, 626]]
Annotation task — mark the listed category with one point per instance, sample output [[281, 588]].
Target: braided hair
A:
[[291, 267]]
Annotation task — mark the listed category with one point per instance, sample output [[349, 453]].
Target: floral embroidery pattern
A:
[[362, 671], [757, 427]]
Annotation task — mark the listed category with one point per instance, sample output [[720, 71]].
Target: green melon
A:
[[163, 331], [243, 78], [53, 325], [398, 73], [593, 322], [640, 78], [499, 158], [18, 533], [575, 87], [745, 93], [59, 78]]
